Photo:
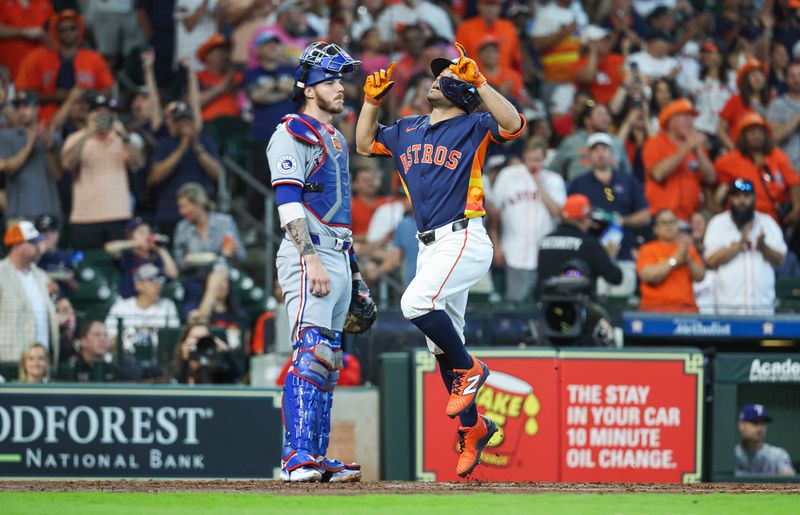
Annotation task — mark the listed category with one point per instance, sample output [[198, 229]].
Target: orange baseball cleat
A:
[[472, 440], [466, 383]]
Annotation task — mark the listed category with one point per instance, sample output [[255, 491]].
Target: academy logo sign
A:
[[787, 371]]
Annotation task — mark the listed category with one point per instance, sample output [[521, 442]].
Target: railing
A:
[[267, 228]]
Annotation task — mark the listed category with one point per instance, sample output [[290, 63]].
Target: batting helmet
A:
[[322, 61], [462, 94]]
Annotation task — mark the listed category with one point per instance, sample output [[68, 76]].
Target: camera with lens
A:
[[570, 314], [204, 350]]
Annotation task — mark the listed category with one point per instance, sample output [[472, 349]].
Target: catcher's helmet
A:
[[321, 61], [463, 94]]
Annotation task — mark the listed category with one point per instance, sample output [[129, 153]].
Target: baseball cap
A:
[[21, 232], [148, 272], [599, 138], [180, 110], [215, 41], [25, 98], [438, 65], [709, 46], [749, 119], [754, 413], [577, 207], [674, 108], [749, 66], [98, 101], [743, 186], [266, 37], [132, 225], [46, 223]]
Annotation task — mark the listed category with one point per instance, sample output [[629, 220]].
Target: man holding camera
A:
[[99, 156], [571, 241]]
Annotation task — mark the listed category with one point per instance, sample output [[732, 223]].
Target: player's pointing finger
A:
[[461, 51]]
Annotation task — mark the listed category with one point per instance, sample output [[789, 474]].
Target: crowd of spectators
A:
[[117, 118]]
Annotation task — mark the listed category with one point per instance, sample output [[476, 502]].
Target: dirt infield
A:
[[279, 488]]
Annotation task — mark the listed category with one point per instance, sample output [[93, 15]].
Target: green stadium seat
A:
[[98, 260], [173, 290], [9, 371], [787, 294]]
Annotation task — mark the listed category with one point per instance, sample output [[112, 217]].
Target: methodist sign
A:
[[55, 431], [572, 415]]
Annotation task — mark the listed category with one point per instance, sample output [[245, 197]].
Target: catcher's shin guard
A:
[[333, 470], [314, 358]]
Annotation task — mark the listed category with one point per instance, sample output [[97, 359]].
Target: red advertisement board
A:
[[520, 395], [571, 416], [632, 418]]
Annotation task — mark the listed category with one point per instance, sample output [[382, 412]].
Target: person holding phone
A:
[[99, 157]]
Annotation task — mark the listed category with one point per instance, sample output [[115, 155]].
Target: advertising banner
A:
[[630, 417], [520, 395], [572, 416], [132, 432]]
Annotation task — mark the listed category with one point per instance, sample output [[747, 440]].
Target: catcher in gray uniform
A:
[[317, 270]]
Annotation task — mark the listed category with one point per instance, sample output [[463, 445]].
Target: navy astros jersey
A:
[[440, 165]]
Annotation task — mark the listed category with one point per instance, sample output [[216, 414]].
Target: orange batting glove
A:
[[378, 85], [467, 69]]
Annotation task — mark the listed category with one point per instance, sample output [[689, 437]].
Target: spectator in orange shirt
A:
[[506, 80], [472, 32], [219, 80], [219, 89], [751, 79], [758, 160], [599, 69], [676, 164], [21, 30], [667, 267], [52, 73]]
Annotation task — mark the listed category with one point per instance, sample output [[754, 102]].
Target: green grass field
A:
[[473, 504]]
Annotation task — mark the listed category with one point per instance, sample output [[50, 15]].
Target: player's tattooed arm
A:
[[298, 232]]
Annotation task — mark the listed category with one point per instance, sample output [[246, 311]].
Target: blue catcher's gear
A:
[[303, 398], [326, 191], [462, 94], [333, 470], [322, 61], [317, 355]]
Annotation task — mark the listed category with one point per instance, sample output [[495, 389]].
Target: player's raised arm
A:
[[376, 87], [501, 109]]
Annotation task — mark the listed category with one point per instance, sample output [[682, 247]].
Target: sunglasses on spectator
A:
[[744, 186], [68, 28]]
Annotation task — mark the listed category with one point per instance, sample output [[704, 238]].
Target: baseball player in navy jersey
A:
[[439, 158], [309, 162]]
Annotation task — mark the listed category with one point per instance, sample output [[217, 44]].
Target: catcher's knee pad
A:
[[317, 353], [333, 375]]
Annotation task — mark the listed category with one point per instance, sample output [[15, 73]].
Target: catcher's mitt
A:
[[362, 312]]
